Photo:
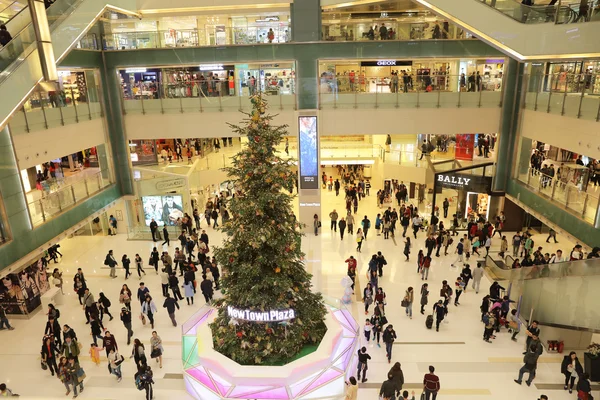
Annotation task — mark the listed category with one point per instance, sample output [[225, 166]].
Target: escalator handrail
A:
[[536, 9], [29, 47], [578, 268], [9, 6]]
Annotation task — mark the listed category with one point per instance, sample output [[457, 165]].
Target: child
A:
[[489, 321], [368, 328], [95, 353]]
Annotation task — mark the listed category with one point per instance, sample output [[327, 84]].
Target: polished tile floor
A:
[[468, 367]]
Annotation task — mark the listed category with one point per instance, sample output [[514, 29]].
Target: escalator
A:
[[20, 68], [525, 32], [564, 294]]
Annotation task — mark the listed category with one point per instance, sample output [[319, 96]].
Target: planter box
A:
[[209, 375]]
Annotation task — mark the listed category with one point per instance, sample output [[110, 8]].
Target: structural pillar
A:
[[39, 19], [509, 124], [306, 20]]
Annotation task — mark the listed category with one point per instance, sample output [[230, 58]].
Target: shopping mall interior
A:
[[271, 150]]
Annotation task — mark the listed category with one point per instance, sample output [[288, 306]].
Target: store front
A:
[[490, 70], [21, 291], [572, 77], [272, 79], [468, 189]]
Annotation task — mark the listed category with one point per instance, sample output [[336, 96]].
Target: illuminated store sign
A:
[[472, 183], [135, 70], [211, 67], [386, 63], [261, 316], [309, 153], [268, 19]]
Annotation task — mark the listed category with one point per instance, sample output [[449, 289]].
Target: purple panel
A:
[[297, 388], [327, 376], [242, 391], [221, 383], [279, 393], [192, 330], [347, 332], [342, 345], [200, 374], [351, 320], [190, 388]]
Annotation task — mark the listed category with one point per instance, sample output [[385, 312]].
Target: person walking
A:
[[104, 305], [166, 236], [154, 229], [425, 267], [126, 263], [584, 389], [48, 354], [112, 264], [88, 304], [389, 335], [142, 292], [126, 319], [174, 285], [445, 206], [407, 248], [368, 295], [62, 374], [388, 388], [342, 226], [366, 225], [316, 224], [71, 348], [551, 235], [431, 384], [188, 287], [206, 287], [439, 309], [459, 250], [407, 301], [350, 223], [571, 368], [138, 353], [76, 375], [156, 348], [424, 297], [170, 304], [154, 257], [530, 360], [149, 309], [397, 377], [96, 328], [125, 297], [333, 216], [477, 275], [144, 375], [489, 321], [359, 239], [363, 359], [139, 264], [459, 286], [114, 362]]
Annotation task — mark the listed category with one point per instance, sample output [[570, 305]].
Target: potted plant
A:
[[592, 361]]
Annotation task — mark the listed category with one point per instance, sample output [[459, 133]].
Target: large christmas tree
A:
[[268, 313]]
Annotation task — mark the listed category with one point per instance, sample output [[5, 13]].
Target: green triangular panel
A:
[[189, 352]]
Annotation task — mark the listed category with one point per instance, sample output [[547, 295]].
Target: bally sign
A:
[[471, 183], [454, 180], [261, 316]]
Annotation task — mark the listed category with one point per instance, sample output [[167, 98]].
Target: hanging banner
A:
[[464, 147]]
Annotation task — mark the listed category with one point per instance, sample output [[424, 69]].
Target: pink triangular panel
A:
[[201, 376], [351, 320], [192, 330], [327, 376], [242, 391], [342, 345], [279, 393], [221, 383], [299, 387]]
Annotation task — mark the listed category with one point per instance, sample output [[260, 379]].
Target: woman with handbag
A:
[[57, 279], [156, 348], [149, 309], [407, 301], [125, 297], [49, 355], [63, 375], [154, 257], [76, 375], [138, 354], [115, 360], [359, 239]]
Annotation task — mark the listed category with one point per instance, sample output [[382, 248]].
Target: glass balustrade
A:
[[571, 95], [52, 109], [583, 204], [409, 91], [561, 12], [56, 196]]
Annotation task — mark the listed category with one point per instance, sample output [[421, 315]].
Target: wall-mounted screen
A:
[[165, 210], [309, 153]]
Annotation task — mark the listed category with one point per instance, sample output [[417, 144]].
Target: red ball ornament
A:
[[305, 334], [239, 335], [231, 259], [256, 139], [269, 331]]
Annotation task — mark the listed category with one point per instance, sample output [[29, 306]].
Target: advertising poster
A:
[[464, 147], [165, 210], [309, 153], [20, 292]]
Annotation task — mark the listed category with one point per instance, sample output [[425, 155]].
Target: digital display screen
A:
[[165, 210], [309, 153]]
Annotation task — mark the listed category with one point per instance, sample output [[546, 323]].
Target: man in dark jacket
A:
[[530, 366], [363, 358], [153, 229], [126, 319], [5, 36], [388, 388], [166, 236], [174, 285], [439, 309], [389, 335], [170, 305], [53, 328], [204, 237], [430, 245], [111, 263], [207, 289]]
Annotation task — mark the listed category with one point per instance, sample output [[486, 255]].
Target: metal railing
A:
[[564, 93], [563, 192], [57, 197], [46, 110], [410, 91], [416, 29], [144, 233], [208, 95]]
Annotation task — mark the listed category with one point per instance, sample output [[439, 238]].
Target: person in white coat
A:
[[149, 309], [477, 275]]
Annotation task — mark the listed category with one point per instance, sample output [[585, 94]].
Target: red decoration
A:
[[239, 335], [256, 139], [269, 331], [231, 259]]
